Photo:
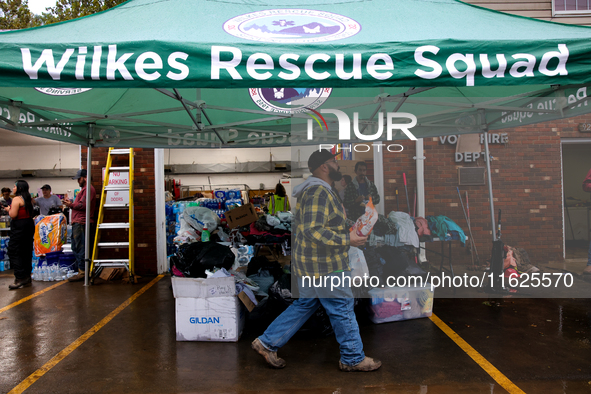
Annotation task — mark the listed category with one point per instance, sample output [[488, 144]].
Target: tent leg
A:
[[420, 166], [490, 192], [87, 225], [378, 176]]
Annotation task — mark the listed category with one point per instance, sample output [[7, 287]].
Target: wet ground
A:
[[524, 345]]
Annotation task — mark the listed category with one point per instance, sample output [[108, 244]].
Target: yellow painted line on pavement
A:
[[31, 296], [480, 360], [25, 384]]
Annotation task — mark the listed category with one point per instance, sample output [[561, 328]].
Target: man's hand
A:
[[356, 240], [359, 199]]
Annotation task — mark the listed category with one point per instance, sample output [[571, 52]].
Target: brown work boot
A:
[[368, 364], [77, 278], [269, 356], [587, 270], [19, 283]]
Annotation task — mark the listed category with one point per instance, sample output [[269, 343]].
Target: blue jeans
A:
[[78, 230], [338, 303]]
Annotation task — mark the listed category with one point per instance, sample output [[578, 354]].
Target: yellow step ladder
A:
[[117, 194]]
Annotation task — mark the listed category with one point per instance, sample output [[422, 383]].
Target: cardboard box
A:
[[208, 309], [241, 216], [400, 303]]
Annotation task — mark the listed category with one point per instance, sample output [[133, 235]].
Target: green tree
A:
[[70, 9], [15, 14]]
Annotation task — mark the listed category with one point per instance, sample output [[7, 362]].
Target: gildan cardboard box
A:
[[241, 216], [207, 309]]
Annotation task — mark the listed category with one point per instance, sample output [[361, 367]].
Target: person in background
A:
[[359, 191], [587, 188], [320, 251], [279, 201], [78, 208], [5, 200], [344, 183], [47, 201], [22, 231]]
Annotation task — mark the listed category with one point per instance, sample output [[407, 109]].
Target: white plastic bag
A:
[[197, 217], [357, 263]]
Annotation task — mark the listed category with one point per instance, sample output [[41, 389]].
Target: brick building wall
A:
[[145, 207], [527, 187]]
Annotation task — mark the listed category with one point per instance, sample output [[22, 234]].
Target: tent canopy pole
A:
[[88, 199], [484, 127]]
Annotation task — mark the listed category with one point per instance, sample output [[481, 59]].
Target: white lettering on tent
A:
[[114, 64], [171, 141], [230, 66], [47, 58], [561, 55], [374, 69], [295, 70], [309, 67], [183, 68], [95, 71], [340, 67], [80, 62], [487, 72], [468, 60], [141, 66], [423, 61], [528, 64], [252, 66]]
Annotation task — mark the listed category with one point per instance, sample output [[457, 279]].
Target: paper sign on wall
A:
[[117, 178], [117, 197]]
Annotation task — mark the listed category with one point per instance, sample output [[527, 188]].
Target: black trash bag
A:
[[384, 226], [280, 299], [259, 263], [399, 262], [375, 262], [194, 258]]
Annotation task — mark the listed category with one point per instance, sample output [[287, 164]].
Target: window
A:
[[571, 7]]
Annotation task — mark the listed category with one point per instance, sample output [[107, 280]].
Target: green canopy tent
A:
[[245, 73], [184, 73]]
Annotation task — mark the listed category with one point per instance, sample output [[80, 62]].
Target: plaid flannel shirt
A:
[[321, 237]]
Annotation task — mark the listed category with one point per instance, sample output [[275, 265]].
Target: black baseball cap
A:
[[318, 158], [80, 174], [46, 187]]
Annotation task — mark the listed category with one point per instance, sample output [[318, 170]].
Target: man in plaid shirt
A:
[[319, 251]]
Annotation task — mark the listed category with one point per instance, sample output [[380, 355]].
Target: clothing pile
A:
[[263, 232], [392, 261], [446, 229]]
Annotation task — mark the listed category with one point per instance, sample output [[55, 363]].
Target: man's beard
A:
[[335, 175]]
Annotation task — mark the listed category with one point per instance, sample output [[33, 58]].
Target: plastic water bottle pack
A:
[[245, 253]]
